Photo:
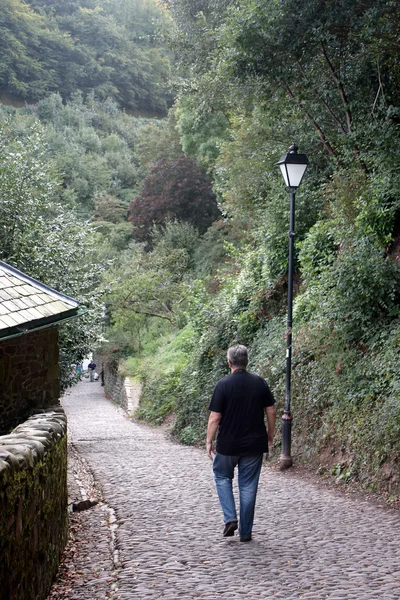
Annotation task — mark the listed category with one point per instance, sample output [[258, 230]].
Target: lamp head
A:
[[293, 166]]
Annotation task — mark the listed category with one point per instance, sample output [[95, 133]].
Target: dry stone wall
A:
[[29, 375], [33, 505]]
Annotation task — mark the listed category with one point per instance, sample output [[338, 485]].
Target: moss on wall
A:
[[33, 505]]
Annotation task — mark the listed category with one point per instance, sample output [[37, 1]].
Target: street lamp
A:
[[292, 166]]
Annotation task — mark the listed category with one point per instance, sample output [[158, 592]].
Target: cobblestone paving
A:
[[308, 542]]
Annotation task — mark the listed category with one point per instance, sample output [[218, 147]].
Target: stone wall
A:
[[33, 505], [29, 375], [114, 386], [122, 390]]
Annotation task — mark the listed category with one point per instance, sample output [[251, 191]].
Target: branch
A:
[[345, 103], [130, 304], [163, 305], [147, 313], [324, 102], [151, 314], [380, 90], [340, 85], [316, 126]]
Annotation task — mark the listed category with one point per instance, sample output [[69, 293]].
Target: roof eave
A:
[[38, 285], [46, 322]]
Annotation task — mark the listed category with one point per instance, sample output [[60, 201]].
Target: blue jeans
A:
[[249, 468]]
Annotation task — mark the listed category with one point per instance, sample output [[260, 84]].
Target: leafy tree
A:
[[173, 190], [201, 137], [109, 49], [93, 144], [158, 139], [110, 240], [147, 286], [175, 235], [24, 37], [324, 59], [109, 208], [40, 237], [196, 34]]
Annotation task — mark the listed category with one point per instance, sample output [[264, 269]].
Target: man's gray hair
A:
[[237, 356]]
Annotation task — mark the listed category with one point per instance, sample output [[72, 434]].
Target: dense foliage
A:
[[173, 190], [38, 236], [252, 77], [96, 46]]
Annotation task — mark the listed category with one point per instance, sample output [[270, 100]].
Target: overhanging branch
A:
[[314, 123]]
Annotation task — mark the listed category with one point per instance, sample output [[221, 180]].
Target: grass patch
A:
[[160, 373]]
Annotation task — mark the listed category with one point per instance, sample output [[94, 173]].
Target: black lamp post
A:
[[293, 166]]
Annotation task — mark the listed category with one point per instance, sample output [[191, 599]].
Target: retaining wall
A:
[[33, 505], [114, 386], [122, 390]]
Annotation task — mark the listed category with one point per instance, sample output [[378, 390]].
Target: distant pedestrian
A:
[[91, 368], [237, 412]]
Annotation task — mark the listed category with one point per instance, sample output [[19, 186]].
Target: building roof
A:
[[27, 304]]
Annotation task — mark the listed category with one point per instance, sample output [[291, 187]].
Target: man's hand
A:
[[271, 416], [213, 422], [210, 450]]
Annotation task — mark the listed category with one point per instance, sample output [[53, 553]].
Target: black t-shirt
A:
[[241, 398]]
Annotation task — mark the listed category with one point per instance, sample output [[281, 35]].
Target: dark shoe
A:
[[245, 538], [230, 528]]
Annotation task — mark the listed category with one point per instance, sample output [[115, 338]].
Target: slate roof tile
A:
[[27, 301], [10, 306], [9, 321], [24, 300], [12, 292], [44, 310], [27, 290], [13, 280], [17, 317], [34, 313], [4, 295]]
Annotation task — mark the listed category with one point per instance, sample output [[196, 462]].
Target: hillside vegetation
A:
[[100, 46], [252, 77], [185, 218]]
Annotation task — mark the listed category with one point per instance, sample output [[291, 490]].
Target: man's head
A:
[[237, 357]]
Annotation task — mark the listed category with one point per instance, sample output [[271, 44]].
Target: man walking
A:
[[237, 412], [91, 368]]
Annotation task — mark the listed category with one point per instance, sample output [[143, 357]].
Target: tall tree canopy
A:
[[106, 47], [40, 237], [173, 190]]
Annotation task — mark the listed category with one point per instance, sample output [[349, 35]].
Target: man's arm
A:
[[271, 417], [213, 422]]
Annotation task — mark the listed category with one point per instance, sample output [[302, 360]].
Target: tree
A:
[[330, 60], [49, 46], [110, 209], [40, 237], [144, 286], [173, 190], [157, 139], [93, 144]]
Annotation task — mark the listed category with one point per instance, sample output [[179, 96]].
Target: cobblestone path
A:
[[308, 542]]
